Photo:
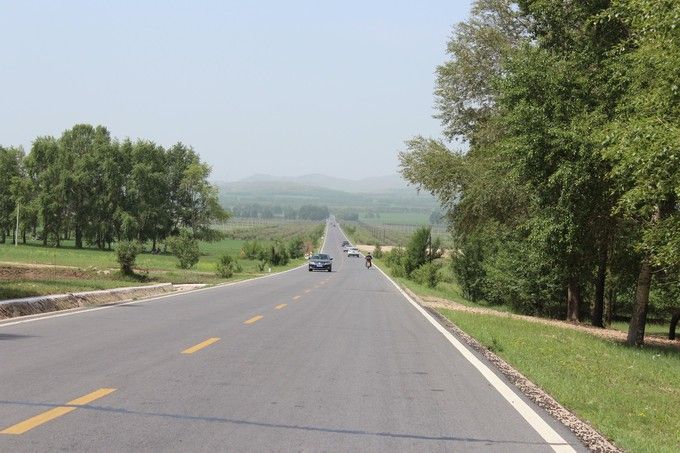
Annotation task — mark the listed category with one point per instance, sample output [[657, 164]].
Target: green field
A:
[[396, 218], [32, 269]]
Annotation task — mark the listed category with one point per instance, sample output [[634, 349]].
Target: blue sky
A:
[[284, 88]]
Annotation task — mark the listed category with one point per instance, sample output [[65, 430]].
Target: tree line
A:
[[564, 190], [97, 190], [265, 211]]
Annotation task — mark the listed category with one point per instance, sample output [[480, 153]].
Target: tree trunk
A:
[[2, 236], [573, 299], [153, 246], [609, 307], [79, 237], [598, 308], [636, 330], [674, 324]]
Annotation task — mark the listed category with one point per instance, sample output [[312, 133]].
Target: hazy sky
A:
[[284, 88]]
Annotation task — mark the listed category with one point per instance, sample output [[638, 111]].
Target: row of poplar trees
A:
[[563, 192], [96, 190]]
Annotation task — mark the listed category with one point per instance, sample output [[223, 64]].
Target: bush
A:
[[185, 248], [428, 274], [276, 254], [377, 251], [417, 250], [126, 252], [251, 250], [395, 261], [468, 266], [227, 266], [296, 248]]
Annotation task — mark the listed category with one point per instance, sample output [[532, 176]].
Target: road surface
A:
[[318, 361]]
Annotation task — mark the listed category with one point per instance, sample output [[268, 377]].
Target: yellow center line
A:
[[253, 319], [296, 297], [280, 306], [307, 291], [51, 414], [200, 346]]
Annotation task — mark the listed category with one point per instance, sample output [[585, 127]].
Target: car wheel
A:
[[310, 269], [329, 269]]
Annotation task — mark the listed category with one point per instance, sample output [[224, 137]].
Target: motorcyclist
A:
[[369, 260]]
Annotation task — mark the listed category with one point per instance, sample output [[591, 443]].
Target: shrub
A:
[[251, 250], [185, 248], [428, 274], [417, 250], [377, 251], [296, 248], [126, 252], [226, 266], [276, 254], [395, 261]]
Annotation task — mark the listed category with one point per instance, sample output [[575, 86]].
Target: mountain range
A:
[[374, 184], [381, 194]]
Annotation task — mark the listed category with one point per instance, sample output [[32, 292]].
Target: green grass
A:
[[151, 268], [29, 288], [446, 289], [68, 255], [650, 328], [630, 395]]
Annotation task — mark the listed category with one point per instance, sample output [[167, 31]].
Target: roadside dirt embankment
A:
[[43, 304]]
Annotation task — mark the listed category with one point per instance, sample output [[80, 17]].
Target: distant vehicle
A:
[[344, 243], [320, 262], [353, 251]]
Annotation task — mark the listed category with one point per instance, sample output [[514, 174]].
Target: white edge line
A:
[[76, 311], [548, 434]]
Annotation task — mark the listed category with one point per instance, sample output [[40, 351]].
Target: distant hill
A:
[[375, 184], [386, 194]]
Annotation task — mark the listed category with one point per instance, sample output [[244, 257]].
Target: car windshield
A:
[[320, 257]]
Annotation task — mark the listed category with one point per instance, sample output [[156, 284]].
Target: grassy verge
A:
[[630, 395], [650, 328], [446, 289], [38, 270]]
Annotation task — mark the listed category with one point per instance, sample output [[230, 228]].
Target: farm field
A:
[[396, 218]]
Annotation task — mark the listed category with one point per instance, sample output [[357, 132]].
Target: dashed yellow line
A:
[[51, 414], [307, 291], [280, 306], [200, 345], [253, 319], [296, 297]]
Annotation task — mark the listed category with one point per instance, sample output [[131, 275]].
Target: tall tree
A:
[[46, 168], [11, 163], [644, 140], [82, 145]]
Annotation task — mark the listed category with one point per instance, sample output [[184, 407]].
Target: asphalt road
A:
[[319, 361]]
